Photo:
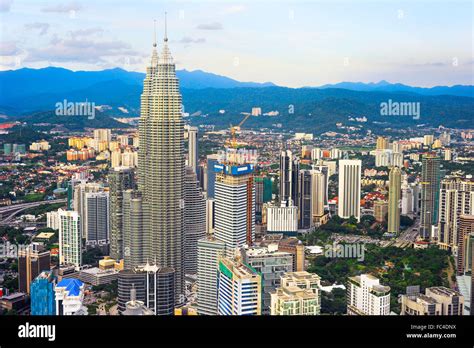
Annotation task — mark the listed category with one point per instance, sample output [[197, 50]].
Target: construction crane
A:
[[233, 129]]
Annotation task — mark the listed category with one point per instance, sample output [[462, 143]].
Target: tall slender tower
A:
[[430, 176], [193, 152], [395, 178], [289, 172], [161, 166], [120, 179], [194, 220], [349, 189]]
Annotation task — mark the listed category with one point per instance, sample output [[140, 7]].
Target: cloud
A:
[[5, 5], [42, 27], [189, 40], [63, 8], [86, 51], [210, 26], [9, 48], [234, 9], [86, 32]]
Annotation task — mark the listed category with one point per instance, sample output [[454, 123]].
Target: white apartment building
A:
[[298, 294], [366, 296], [70, 238]]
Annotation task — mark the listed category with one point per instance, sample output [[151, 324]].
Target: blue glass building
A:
[[42, 294]]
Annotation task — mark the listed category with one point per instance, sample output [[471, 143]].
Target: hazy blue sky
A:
[[297, 43]]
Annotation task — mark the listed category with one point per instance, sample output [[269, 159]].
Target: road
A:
[[410, 234], [8, 212]]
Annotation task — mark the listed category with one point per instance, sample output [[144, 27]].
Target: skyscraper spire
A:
[[154, 53], [166, 29], [166, 57], [154, 33]]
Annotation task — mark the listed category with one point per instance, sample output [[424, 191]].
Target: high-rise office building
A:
[[472, 278], [395, 177], [289, 175], [456, 198], [380, 210], [296, 248], [349, 189], [239, 288], [298, 294], [234, 205], [303, 200], [70, 238], [132, 229], [120, 179], [212, 160], [324, 169], [161, 166], [263, 194], [430, 179], [318, 193], [366, 296], [210, 250], [96, 218], [42, 294], [271, 264], [407, 199], [31, 262], [81, 189], [153, 285], [194, 220], [193, 150], [465, 233], [281, 219]]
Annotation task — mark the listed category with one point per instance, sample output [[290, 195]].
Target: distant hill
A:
[[31, 95], [384, 86], [27, 90]]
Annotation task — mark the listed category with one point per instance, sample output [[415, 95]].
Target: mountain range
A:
[[31, 93]]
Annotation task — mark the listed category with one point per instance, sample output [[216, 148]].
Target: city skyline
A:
[[305, 44]]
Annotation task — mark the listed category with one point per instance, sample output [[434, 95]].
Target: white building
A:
[[69, 295], [193, 151], [383, 158], [209, 216], [234, 213], [349, 189], [365, 296], [281, 219], [70, 238], [407, 199], [52, 220], [239, 288], [299, 294], [102, 135]]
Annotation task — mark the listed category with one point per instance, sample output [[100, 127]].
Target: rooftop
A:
[[73, 286]]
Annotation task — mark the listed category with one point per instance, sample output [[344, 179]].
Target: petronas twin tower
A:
[[161, 167]]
